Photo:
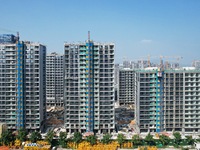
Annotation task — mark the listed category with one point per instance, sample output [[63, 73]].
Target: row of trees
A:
[[8, 137], [137, 140], [22, 135], [163, 140]]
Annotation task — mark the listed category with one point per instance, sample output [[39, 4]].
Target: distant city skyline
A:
[[138, 28]]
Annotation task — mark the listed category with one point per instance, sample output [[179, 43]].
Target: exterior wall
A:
[[117, 68], [71, 88], [35, 86], [8, 99], [105, 112], [89, 87], [181, 100], [54, 79], [174, 100], [192, 101]]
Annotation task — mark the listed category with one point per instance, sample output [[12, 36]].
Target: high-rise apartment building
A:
[[89, 87], [149, 103], [54, 79], [168, 100], [196, 64], [22, 84], [181, 100], [127, 88], [35, 86]]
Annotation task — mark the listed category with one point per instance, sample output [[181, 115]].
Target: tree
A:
[[136, 140], [77, 138], [22, 134], [49, 137], [62, 139], [164, 139], [35, 136], [120, 139], [106, 139], [149, 139], [177, 138], [190, 140], [92, 139], [7, 137]]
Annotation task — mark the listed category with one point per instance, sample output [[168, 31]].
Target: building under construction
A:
[[165, 100], [149, 103], [127, 88], [168, 100], [54, 79], [89, 87], [22, 83]]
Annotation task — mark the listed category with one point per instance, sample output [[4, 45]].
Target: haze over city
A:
[[138, 28]]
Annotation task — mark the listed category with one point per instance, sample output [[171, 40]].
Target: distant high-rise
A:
[[22, 84], [127, 87], [89, 87], [126, 64], [196, 64], [54, 79]]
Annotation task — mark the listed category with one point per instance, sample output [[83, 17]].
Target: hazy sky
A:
[[138, 27]]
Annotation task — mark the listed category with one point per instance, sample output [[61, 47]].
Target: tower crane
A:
[[178, 58]]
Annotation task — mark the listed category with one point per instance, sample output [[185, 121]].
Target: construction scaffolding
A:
[[20, 85], [159, 97], [90, 87]]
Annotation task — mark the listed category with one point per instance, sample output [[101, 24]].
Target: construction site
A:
[[55, 117]]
